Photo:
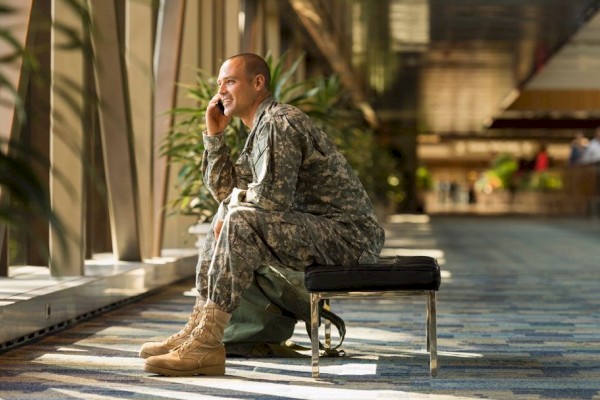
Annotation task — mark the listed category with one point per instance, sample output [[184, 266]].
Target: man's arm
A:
[[217, 168], [276, 157]]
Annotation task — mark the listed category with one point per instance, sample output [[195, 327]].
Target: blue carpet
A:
[[518, 318]]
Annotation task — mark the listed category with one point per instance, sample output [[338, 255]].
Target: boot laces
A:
[[189, 326], [194, 335]]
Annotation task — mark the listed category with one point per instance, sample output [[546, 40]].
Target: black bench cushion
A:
[[391, 273]]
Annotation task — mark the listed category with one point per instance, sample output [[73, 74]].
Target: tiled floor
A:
[[518, 318]]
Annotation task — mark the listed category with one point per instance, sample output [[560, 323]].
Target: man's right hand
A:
[[216, 121]]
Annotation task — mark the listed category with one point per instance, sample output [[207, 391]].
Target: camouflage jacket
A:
[[289, 164]]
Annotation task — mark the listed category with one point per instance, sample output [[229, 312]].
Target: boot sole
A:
[[214, 370]]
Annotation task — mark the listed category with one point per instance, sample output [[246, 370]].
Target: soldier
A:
[[290, 200]]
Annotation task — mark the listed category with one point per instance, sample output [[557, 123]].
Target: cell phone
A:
[[221, 107]]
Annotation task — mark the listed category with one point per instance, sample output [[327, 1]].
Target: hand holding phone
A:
[[216, 121], [221, 107]]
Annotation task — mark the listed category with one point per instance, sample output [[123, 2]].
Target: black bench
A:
[[392, 277]]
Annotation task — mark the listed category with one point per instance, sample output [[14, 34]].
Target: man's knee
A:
[[242, 223], [241, 215]]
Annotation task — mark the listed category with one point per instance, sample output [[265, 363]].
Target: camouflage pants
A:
[[251, 238]]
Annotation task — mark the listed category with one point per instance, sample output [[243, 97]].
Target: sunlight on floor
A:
[[397, 251], [114, 386], [409, 218], [87, 360], [244, 376], [291, 391]]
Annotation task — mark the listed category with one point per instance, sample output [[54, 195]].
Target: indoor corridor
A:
[[518, 318]]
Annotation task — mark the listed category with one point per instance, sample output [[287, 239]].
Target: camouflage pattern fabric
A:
[[290, 200]]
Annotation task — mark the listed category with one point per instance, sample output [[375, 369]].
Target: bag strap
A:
[[339, 324], [335, 320]]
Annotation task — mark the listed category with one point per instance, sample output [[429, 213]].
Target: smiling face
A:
[[240, 92]]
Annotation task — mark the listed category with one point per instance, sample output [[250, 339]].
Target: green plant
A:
[[424, 179], [322, 98], [501, 174], [545, 181]]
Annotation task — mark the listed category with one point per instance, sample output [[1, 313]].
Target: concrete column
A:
[[272, 29], [139, 41], [37, 130], [176, 226], [206, 20], [19, 21], [66, 143], [115, 130], [231, 28], [252, 34], [167, 54], [18, 24]]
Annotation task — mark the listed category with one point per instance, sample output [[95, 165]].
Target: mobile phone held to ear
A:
[[221, 107]]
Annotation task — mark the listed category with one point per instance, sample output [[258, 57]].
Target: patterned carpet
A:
[[518, 318]]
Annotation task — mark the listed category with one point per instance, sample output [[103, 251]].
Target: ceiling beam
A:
[[545, 123], [557, 99]]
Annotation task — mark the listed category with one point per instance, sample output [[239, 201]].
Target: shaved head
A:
[[255, 65]]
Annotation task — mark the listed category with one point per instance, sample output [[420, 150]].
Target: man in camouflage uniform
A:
[[290, 200]]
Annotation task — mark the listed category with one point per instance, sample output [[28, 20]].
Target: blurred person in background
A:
[[578, 147], [592, 152]]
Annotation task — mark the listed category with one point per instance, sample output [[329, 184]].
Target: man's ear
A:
[[260, 82]]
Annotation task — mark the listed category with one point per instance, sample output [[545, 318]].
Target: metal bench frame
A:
[[317, 297]]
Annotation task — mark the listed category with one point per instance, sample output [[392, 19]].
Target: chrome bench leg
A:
[[314, 333], [432, 334], [327, 324]]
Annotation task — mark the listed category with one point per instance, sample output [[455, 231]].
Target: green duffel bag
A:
[[268, 313]]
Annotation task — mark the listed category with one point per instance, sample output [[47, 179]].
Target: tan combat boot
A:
[[157, 348], [203, 353]]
